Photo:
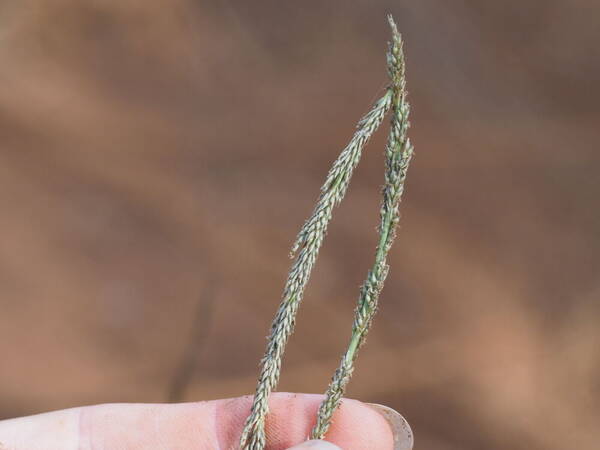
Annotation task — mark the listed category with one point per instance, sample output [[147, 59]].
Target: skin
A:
[[192, 426]]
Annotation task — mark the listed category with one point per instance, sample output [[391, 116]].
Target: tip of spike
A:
[[392, 24]]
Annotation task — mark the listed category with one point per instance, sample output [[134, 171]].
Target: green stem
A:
[[380, 258]]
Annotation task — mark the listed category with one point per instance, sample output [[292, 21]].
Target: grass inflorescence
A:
[[310, 238]]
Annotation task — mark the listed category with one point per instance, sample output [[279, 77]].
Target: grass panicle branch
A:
[[399, 152], [305, 251], [310, 239]]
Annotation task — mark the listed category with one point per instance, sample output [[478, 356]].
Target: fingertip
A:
[[355, 426], [358, 426], [401, 431]]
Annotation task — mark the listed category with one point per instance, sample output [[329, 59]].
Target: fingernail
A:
[[315, 445], [403, 436]]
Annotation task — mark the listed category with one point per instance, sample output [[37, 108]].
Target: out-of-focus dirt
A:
[[157, 159]]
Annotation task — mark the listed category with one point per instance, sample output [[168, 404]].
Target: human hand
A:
[[204, 425]]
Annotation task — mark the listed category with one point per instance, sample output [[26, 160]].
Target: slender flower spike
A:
[[310, 238], [398, 153], [305, 250]]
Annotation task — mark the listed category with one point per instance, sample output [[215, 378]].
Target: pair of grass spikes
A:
[[398, 154]]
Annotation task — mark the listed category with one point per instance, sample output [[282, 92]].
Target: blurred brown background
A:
[[158, 157]]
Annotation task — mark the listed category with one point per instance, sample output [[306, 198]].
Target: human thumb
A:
[[315, 445]]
